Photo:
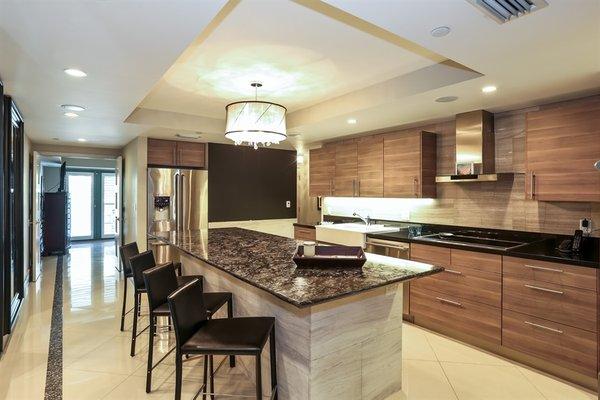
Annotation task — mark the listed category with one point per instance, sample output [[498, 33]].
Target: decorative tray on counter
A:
[[331, 257]]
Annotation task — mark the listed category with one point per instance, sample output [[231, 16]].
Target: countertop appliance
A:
[[177, 200], [395, 249]]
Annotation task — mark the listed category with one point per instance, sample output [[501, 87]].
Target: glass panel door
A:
[[81, 193], [109, 196]]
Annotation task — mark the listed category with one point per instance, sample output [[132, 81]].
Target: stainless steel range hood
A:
[[475, 149]]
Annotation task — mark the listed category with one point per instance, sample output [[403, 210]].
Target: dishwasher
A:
[[392, 248]]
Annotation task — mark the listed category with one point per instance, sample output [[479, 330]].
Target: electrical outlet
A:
[[288, 204], [585, 224]]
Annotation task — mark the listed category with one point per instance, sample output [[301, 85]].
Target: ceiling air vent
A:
[[506, 10]]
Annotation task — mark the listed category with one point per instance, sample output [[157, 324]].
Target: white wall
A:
[[134, 191]]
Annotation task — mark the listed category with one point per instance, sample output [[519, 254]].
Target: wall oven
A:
[[395, 249]]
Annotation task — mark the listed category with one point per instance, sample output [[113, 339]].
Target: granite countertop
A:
[[265, 261]]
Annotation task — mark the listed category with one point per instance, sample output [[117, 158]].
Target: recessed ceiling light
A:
[[188, 135], [82, 140], [440, 31], [72, 107], [55, 138], [489, 89], [71, 115], [77, 73], [446, 99], [352, 121]]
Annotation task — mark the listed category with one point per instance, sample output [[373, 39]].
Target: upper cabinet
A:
[[170, 153], [321, 171], [563, 143], [393, 165], [370, 166], [409, 164], [346, 172]]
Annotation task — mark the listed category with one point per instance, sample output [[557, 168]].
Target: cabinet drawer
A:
[[461, 259], [560, 344], [430, 254], [304, 233], [472, 285], [543, 271], [475, 319], [558, 303]]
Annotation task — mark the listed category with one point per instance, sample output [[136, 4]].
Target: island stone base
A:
[[348, 348]]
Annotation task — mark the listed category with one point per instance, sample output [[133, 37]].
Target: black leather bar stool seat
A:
[[197, 335], [160, 281], [127, 251]]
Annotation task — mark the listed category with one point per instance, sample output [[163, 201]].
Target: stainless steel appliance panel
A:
[[395, 249], [193, 199]]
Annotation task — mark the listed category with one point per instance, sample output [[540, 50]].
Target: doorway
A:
[[92, 195]]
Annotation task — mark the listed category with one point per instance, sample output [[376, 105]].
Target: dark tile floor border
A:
[[54, 369]]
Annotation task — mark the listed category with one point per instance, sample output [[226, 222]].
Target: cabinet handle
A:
[[543, 327], [544, 289], [353, 187], [532, 185], [451, 271], [454, 303], [359, 188], [416, 186], [544, 268]]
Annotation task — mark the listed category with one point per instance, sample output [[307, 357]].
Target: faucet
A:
[[366, 220]]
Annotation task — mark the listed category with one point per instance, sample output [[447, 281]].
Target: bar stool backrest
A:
[[127, 251], [160, 282], [139, 264], [187, 310]]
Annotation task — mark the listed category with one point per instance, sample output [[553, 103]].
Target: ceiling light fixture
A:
[[440, 31], [446, 99], [188, 135], [489, 89], [82, 140], [255, 122], [77, 73], [72, 107], [352, 121], [71, 115]]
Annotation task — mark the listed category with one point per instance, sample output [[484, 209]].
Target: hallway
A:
[[90, 356]]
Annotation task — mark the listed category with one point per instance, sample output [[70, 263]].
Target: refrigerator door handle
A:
[[182, 202], [176, 199]]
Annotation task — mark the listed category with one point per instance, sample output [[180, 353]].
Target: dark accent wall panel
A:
[[247, 184]]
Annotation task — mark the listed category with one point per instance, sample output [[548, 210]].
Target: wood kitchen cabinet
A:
[[370, 166], [346, 169], [321, 171], [409, 164], [171, 153], [562, 145]]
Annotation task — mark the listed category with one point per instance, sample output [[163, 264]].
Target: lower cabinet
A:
[[305, 233], [519, 306]]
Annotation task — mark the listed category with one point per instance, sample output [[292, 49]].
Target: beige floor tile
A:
[[77, 344], [83, 385], [450, 350], [26, 386], [555, 389], [489, 382], [134, 388], [415, 345], [112, 357], [423, 380]]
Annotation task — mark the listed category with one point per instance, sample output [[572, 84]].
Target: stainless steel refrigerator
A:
[[177, 200]]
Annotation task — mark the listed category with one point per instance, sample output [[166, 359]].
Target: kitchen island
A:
[[339, 331]]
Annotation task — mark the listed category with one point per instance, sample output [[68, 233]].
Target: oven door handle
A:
[[385, 243]]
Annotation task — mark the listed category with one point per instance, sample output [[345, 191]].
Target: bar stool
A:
[[127, 251], [195, 334], [139, 263], [160, 282]]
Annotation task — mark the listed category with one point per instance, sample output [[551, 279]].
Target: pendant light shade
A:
[[255, 122]]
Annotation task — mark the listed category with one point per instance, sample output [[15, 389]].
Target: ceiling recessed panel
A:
[[302, 57]]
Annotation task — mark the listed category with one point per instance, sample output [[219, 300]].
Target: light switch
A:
[[288, 204]]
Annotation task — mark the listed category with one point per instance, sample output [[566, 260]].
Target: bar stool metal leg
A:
[[212, 376], [178, 374], [258, 378], [273, 357], [136, 311], [205, 379], [124, 305], [230, 315], [152, 329]]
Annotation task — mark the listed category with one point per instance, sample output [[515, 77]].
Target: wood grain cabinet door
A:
[[191, 155], [563, 143], [345, 183], [320, 171], [162, 153], [370, 166], [409, 164]]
